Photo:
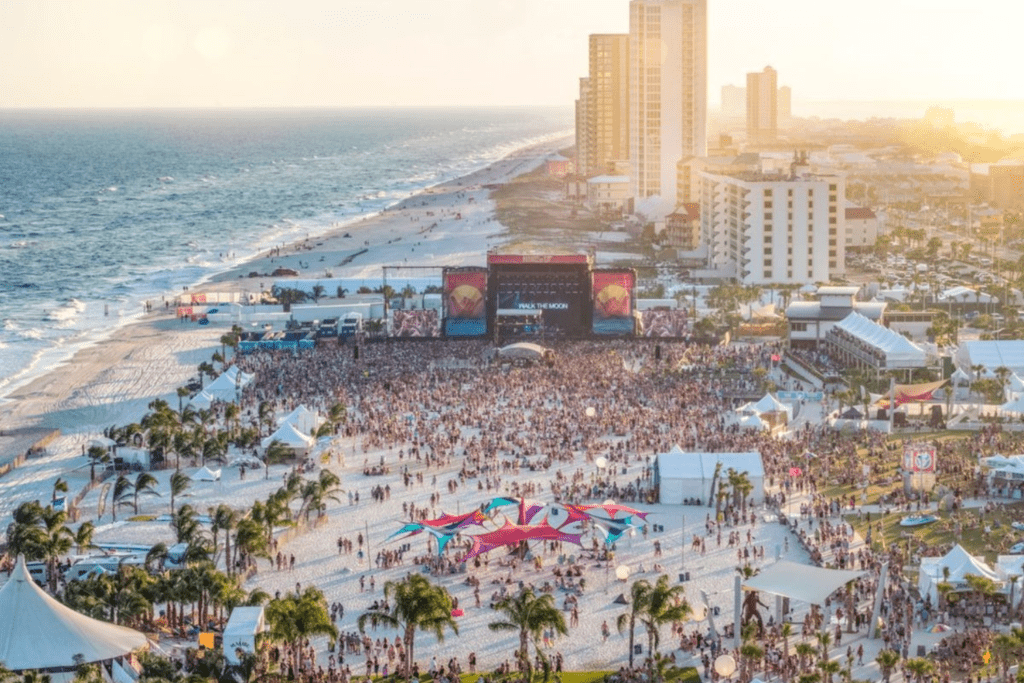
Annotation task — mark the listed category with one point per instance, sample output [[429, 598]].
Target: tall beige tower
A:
[[608, 108], [668, 86], [762, 106], [584, 133]]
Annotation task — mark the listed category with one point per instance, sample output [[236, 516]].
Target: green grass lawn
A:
[[974, 539]]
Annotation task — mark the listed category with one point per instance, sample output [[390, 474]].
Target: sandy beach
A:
[[113, 381]]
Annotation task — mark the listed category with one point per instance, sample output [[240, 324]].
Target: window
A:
[[798, 327]]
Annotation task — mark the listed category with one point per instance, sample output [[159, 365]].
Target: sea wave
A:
[[100, 235]]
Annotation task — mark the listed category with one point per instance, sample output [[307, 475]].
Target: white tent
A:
[[991, 355], [203, 400], [770, 404], [895, 350], [802, 582], [225, 388], [233, 373], [960, 564], [1014, 406], [303, 419], [37, 632], [241, 630], [751, 422], [289, 436], [681, 475], [206, 474]]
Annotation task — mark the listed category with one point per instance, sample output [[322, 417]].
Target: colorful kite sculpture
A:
[[514, 534], [612, 520], [444, 528]]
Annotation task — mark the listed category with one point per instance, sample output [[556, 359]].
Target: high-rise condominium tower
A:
[[668, 86], [762, 106], [607, 121]]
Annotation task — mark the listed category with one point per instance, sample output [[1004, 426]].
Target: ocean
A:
[[101, 211]]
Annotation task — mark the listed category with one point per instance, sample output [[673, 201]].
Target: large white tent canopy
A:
[[289, 436], [991, 355], [682, 475], [897, 350], [960, 564], [801, 581], [303, 419], [37, 632], [241, 630], [225, 388]]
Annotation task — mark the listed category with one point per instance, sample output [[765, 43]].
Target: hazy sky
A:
[[437, 52]]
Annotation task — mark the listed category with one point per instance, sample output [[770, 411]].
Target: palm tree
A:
[[318, 291], [122, 489], [180, 482], [529, 615], [224, 519], [804, 652], [294, 618], [144, 483], [639, 597], [83, 537], [750, 655], [829, 667], [786, 632], [59, 486], [250, 541], [665, 605], [919, 667], [277, 451], [96, 454], [186, 525], [887, 661], [415, 604]]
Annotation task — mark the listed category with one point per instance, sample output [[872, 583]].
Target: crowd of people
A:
[[444, 404]]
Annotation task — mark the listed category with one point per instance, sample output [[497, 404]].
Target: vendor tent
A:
[[802, 582], [202, 401], [206, 474], [1014, 406], [291, 437], [303, 419], [38, 632], [960, 564], [752, 422], [681, 476], [770, 404], [241, 630], [225, 388]]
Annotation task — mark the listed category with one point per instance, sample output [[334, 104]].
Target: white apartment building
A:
[[668, 86], [774, 229], [861, 227]]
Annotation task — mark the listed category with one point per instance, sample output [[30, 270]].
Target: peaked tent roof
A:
[[800, 581], [290, 436], [770, 404], [206, 474], [899, 351], [37, 632], [961, 564], [303, 419]]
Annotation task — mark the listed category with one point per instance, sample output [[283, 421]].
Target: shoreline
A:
[[150, 356]]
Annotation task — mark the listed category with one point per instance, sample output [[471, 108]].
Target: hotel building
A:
[[762, 106], [607, 112], [668, 93], [774, 229]]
